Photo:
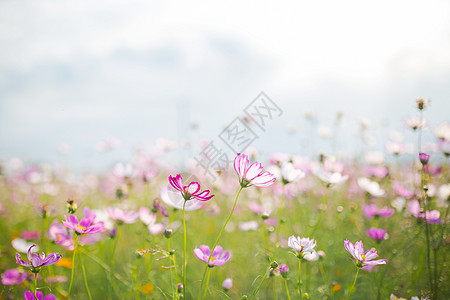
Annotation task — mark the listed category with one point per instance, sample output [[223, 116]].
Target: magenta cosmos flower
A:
[[29, 296], [191, 191], [13, 277], [253, 174], [423, 157], [83, 226], [218, 258], [377, 234], [372, 210], [363, 259], [36, 261]]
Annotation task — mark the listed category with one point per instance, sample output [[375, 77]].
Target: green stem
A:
[[427, 234], [443, 172], [287, 290], [266, 237], [172, 258], [134, 274], [280, 211], [217, 241], [84, 276], [113, 251], [260, 284], [73, 265], [184, 250], [299, 280], [207, 283], [353, 286], [35, 285]]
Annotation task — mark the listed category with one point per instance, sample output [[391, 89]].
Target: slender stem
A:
[[113, 251], [419, 139], [207, 283], [299, 282], [134, 274], [73, 265], [427, 234], [353, 286], [184, 250], [217, 241], [435, 273], [280, 211], [260, 284], [84, 276], [44, 228], [287, 290], [266, 237], [35, 285], [443, 171]]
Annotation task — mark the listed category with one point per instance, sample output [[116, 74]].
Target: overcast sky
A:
[[80, 71]]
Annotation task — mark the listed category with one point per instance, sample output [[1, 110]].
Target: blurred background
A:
[[86, 83]]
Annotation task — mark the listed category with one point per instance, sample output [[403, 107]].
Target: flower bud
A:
[[71, 206], [284, 270], [421, 103], [274, 265], [227, 284], [180, 287], [423, 157], [168, 233]]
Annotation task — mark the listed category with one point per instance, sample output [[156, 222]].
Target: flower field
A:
[[284, 226]]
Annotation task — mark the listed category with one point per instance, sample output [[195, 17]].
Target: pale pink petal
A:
[[253, 171]]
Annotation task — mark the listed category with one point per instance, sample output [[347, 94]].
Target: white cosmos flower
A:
[[22, 245], [173, 198], [371, 187], [290, 174], [331, 177]]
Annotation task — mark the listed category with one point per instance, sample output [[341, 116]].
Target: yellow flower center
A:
[[81, 227], [213, 258], [363, 257]]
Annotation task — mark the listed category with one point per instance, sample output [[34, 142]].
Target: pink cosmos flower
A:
[[414, 208], [58, 233], [31, 234], [377, 234], [36, 261], [363, 259], [431, 217], [218, 258], [191, 191], [253, 174], [227, 284], [372, 210], [29, 296], [13, 277], [402, 191], [376, 171], [122, 216], [84, 226], [149, 220]]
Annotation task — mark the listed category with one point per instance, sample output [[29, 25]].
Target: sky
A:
[[79, 72]]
